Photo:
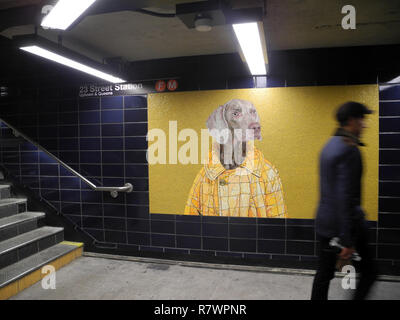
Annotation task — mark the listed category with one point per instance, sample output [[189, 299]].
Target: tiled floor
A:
[[99, 278]]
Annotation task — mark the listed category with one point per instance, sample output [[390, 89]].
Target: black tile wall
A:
[[388, 124], [215, 230], [188, 242], [388, 231], [300, 233], [389, 220], [243, 245], [389, 92], [105, 138], [242, 231], [389, 236], [271, 232], [300, 247], [272, 246], [138, 225], [162, 227], [389, 172], [219, 244], [188, 228], [212, 84], [389, 108], [115, 236], [389, 188], [389, 252], [387, 204], [163, 240], [389, 140], [139, 238]]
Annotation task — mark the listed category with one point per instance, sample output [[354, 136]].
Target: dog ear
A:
[[218, 126]]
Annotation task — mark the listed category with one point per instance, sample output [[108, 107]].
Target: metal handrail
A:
[[113, 190]]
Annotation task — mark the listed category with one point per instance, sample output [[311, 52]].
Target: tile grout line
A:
[[79, 160], [101, 168], [124, 148]]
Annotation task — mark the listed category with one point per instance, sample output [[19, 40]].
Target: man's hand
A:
[[346, 253]]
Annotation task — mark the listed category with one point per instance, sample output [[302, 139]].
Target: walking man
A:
[[339, 212]]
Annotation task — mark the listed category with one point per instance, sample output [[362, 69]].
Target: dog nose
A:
[[254, 125]]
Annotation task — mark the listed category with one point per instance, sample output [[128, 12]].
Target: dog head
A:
[[237, 116]]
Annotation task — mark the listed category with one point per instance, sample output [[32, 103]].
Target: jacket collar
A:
[[343, 133], [252, 163]]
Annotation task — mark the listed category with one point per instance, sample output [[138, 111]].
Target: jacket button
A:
[[222, 182]]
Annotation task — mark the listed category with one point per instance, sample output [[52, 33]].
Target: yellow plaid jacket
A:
[[253, 189]]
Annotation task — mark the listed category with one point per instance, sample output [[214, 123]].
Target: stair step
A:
[[34, 262], [5, 191], [29, 243], [12, 206], [19, 223]]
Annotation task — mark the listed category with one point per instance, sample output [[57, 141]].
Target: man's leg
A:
[[325, 272], [366, 267]]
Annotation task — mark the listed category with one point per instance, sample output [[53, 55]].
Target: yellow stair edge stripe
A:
[[76, 244], [35, 276]]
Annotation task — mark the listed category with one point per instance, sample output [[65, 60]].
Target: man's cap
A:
[[351, 109]]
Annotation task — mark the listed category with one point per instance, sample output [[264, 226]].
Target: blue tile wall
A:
[[89, 135], [105, 139]]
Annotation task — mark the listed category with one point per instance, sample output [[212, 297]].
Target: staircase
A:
[[25, 247]]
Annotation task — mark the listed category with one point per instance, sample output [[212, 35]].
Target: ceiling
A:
[[300, 24], [288, 24], [6, 4]]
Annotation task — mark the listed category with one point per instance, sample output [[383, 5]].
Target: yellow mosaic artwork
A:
[[296, 122]]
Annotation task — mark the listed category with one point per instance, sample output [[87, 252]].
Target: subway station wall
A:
[[105, 139]]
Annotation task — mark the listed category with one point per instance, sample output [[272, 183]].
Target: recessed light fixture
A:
[[49, 50], [249, 37], [203, 23], [65, 12]]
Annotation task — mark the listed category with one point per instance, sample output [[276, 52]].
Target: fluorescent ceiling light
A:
[[70, 63], [65, 12], [249, 39], [388, 85], [395, 80]]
